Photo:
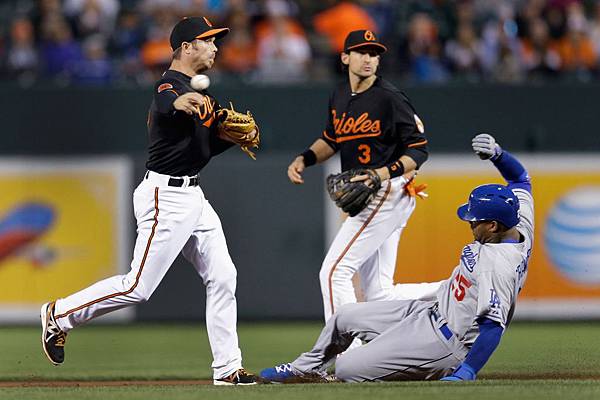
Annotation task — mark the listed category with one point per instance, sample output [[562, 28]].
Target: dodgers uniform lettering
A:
[[452, 336], [494, 281]]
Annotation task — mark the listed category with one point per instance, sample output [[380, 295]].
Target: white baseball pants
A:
[[170, 220], [368, 244]]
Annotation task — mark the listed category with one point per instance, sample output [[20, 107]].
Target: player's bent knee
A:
[[224, 278], [346, 369], [346, 315], [141, 296], [341, 275]]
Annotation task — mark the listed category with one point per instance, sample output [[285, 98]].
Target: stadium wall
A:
[[50, 120], [275, 230]]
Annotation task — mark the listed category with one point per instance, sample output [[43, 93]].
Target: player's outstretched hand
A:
[[295, 170], [485, 146], [188, 102]]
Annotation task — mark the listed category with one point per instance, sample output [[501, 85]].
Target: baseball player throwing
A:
[[372, 125], [453, 336], [172, 213]]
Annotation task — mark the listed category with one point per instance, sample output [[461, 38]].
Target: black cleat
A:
[[53, 339], [239, 377]]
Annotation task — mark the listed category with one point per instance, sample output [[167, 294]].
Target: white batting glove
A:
[[485, 147]]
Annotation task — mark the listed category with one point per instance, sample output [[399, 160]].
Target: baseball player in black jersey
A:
[[372, 125], [173, 216]]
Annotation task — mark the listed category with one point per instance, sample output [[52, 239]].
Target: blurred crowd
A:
[[99, 42]]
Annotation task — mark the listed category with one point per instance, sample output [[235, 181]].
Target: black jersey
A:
[[374, 128], [181, 144]]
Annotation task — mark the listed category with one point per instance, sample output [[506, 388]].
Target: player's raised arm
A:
[[512, 170]]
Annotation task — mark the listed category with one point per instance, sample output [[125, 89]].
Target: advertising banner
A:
[[564, 270], [63, 226]]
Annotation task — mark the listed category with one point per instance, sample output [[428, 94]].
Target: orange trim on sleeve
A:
[[173, 90], [137, 277], [209, 121], [164, 86], [417, 144]]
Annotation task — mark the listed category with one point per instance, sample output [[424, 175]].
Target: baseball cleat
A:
[[53, 339], [283, 373], [239, 377]]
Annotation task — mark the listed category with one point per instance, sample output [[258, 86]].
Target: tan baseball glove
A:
[[240, 129]]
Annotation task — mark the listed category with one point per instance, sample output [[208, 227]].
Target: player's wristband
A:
[[396, 169], [465, 372], [310, 158]]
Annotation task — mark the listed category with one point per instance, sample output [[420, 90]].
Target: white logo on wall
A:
[[572, 235]]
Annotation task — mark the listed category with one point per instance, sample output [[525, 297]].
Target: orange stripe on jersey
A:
[[418, 144], [347, 138], [137, 277], [362, 228]]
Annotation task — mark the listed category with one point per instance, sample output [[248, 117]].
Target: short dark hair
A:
[[177, 53], [501, 227]]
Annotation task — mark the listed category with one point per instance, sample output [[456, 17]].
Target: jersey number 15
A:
[[460, 287]]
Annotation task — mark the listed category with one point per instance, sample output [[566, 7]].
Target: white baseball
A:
[[200, 82]]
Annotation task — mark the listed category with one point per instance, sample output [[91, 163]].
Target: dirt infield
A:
[[115, 383]]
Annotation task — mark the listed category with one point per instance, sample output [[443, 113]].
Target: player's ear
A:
[[494, 227], [345, 58]]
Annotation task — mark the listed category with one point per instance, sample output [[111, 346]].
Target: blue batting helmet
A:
[[491, 203]]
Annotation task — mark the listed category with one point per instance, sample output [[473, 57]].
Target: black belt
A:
[[178, 182]]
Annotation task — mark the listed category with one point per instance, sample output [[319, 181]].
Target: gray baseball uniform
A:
[[416, 340]]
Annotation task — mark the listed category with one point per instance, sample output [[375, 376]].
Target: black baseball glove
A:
[[353, 197]]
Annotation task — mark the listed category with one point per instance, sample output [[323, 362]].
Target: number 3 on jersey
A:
[[460, 287], [365, 153]]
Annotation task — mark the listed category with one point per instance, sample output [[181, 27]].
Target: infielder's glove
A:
[[239, 128], [353, 197]]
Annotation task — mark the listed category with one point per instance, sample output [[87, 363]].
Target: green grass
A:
[[546, 355], [484, 390]]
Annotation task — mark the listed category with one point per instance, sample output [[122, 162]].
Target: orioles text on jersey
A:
[[349, 128]]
